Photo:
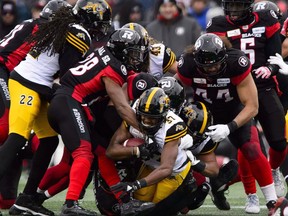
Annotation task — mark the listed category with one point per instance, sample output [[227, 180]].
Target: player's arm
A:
[[248, 96], [285, 48], [116, 150], [173, 68], [120, 102], [168, 158], [211, 168]]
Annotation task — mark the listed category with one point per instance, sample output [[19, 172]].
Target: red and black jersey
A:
[[220, 92], [13, 48], [84, 81], [252, 39]]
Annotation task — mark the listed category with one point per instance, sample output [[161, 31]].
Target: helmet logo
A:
[[273, 14], [124, 70], [164, 102], [190, 115], [243, 61], [218, 41], [95, 9], [181, 61], [141, 84], [128, 35], [198, 43]]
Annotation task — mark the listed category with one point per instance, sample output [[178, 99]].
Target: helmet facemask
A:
[[239, 12], [136, 57], [152, 109], [210, 56]]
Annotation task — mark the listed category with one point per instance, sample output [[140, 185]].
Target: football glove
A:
[[126, 186], [278, 60], [218, 132], [263, 72], [196, 164]]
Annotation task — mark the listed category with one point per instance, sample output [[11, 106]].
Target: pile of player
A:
[[97, 99]]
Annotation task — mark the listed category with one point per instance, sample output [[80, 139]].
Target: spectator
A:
[[37, 8], [198, 9], [8, 18], [172, 28], [128, 11]]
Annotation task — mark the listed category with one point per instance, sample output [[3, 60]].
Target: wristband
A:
[[232, 126], [199, 167], [142, 183]]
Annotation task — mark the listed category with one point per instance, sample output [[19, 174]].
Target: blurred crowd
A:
[[192, 14]]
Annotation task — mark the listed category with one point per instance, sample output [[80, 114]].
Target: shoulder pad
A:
[[177, 128], [267, 17], [216, 24], [79, 37], [169, 59]]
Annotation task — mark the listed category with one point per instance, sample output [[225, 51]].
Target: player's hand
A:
[[278, 60], [146, 151], [218, 132], [193, 159], [263, 72], [126, 186], [284, 30]]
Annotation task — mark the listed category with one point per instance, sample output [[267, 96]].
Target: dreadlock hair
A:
[[51, 35]]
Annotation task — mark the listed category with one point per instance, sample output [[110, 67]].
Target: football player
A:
[[161, 59], [221, 79], [161, 129], [13, 49], [96, 79], [257, 35], [57, 46]]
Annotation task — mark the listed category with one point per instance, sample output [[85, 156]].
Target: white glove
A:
[[193, 159], [218, 132], [262, 72], [278, 60]]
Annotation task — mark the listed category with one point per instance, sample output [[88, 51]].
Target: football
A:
[[133, 142]]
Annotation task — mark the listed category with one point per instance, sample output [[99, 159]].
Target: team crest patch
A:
[[124, 70], [243, 61], [141, 84]]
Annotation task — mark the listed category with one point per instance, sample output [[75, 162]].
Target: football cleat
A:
[[135, 207], [252, 204], [27, 203], [227, 173], [76, 210], [220, 200], [278, 182]]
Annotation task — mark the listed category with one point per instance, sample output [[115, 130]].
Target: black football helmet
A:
[[197, 118], [175, 91], [51, 7], [210, 52], [153, 103], [95, 15], [129, 47], [238, 11], [268, 5], [143, 32]]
